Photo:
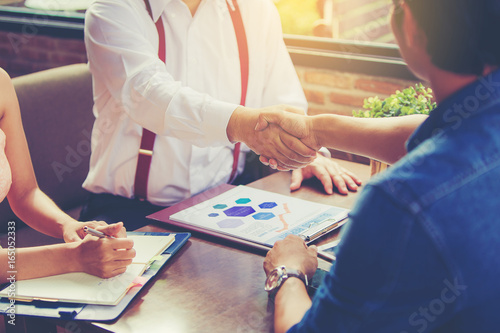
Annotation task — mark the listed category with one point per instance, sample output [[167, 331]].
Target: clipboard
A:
[[320, 226], [73, 311]]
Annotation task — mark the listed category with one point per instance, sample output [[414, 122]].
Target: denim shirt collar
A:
[[469, 101]]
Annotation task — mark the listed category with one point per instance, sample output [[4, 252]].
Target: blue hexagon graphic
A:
[[268, 205], [213, 214], [220, 206], [242, 201], [263, 216], [230, 223], [239, 211]]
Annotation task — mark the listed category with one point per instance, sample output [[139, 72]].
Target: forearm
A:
[[38, 211], [34, 262], [235, 131], [382, 139], [291, 303]]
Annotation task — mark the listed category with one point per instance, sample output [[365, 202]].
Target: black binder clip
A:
[[67, 315]]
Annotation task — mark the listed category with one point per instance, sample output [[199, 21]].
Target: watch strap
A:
[[284, 274], [298, 274]]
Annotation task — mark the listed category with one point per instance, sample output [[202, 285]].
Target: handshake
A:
[[282, 135]]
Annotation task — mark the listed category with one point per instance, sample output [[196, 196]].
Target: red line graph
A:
[[282, 219]]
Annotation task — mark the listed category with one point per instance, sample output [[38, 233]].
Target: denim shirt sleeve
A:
[[386, 269]]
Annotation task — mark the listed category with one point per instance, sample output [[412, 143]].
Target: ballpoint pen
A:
[[96, 233]]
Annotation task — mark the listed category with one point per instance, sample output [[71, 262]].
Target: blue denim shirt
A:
[[422, 250]]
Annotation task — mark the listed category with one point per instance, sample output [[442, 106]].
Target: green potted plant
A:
[[412, 100]]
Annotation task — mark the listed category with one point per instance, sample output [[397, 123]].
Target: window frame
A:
[[370, 58], [29, 22]]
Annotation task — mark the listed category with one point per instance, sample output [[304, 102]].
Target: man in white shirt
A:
[[191, 102]]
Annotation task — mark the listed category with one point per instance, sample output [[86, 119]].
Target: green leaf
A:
[[412, 100]]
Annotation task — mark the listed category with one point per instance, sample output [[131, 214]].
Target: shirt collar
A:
[[157, 7], [467, 102]]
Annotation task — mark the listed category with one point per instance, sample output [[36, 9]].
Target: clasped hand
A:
[[270, 141], [286, 139], [291, 122], [302, 128]]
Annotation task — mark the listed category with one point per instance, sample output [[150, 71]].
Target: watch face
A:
[[279, 275], [273, 280]]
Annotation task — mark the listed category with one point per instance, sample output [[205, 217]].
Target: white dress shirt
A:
[[188, 101]]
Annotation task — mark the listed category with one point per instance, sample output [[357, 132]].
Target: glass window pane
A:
[[353, 20]]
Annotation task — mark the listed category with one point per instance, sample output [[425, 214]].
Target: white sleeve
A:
[[124, 57]]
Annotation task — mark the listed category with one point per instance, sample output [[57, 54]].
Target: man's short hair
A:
[[462, 34]]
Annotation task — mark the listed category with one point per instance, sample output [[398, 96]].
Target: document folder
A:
[[91, 312]]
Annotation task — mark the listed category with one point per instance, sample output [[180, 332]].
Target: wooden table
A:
[[212, 286]]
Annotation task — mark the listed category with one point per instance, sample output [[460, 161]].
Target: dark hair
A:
[[462, 34]]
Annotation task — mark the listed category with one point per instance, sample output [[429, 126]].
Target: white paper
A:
[[147, 247]]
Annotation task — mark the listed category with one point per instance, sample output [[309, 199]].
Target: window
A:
[[354, 35], [353, 20]]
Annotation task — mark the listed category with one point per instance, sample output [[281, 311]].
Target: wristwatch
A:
[[278, 276]]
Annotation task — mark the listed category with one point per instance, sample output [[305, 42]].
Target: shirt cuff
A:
[[325, 152], [218, 115]]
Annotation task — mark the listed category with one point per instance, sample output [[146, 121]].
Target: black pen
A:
[[96, 233]]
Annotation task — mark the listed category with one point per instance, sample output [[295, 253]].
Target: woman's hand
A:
[[105, 257], [74, 230]]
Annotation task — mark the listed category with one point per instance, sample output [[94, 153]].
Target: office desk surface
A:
[[213, 286]]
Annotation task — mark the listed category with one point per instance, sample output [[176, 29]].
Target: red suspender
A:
[[241, 38], [148, 137]]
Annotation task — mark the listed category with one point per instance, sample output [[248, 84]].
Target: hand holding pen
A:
[[93, 232], [104, 253], [115, 230]]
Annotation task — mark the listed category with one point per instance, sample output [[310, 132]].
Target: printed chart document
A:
[[262, 217], [89, 289]]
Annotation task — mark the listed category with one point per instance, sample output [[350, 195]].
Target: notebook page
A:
[[147, 247], [85, 288], [79, 287]]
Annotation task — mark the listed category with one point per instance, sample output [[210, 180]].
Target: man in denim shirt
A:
[[421, 252]]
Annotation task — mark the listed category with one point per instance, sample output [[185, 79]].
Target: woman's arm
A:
[[27, 201], [92, 255], [105, 257]]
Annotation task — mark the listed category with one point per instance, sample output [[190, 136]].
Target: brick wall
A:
[[360, 20], [26, 53], [339, 92]]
